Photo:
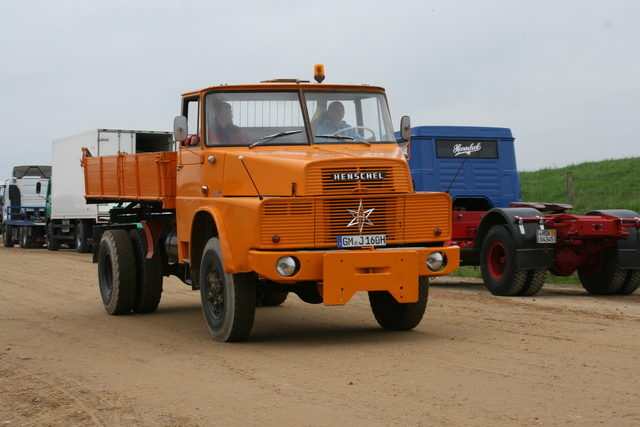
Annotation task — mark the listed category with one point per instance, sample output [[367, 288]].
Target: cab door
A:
[[189, 176]]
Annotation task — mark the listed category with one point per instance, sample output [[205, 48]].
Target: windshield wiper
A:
[[344, 138], [269, 138]]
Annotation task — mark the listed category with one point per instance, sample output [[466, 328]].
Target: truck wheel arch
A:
[[207, 223], [506, 216]]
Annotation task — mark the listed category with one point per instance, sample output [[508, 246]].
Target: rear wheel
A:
[[397, 316], [148, 274], [228, 300], [631, 284], [24, 238], [498, 263], [603, 276], [535, 281], [7, 239], [270, 299], [117, 272], [52, 244]]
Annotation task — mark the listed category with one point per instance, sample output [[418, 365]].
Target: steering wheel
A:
[[356, 127]]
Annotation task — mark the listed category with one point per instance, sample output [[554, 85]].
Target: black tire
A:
[[397, 316], [52, 244], [117, 272], [631, 283], [498, 263], [148, 274], [603, 277], [228, 300], [271, 299], [80, 238], [535, 281], [23, 235], [7, 240]]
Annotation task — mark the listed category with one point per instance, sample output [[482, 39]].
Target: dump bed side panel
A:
[[147, 177]]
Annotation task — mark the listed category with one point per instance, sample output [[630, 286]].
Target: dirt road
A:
[[560, 358]]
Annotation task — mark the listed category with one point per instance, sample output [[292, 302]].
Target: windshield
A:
[[276, 117], [246, 118], [339, 117]]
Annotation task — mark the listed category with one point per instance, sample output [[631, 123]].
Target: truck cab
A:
[[23, 210], [475, 165]]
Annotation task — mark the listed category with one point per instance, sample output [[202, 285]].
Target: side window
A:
[[192, 112]]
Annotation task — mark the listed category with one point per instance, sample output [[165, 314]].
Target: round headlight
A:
[[435, 261], [287, 266]]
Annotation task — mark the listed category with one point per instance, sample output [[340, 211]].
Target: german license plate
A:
[[362, 240], [546, 236]]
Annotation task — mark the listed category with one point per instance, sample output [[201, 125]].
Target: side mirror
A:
[[38, 187], [405, 127], [405, 134], [180, 130]]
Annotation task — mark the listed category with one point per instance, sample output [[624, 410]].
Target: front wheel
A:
[[397, 316], [500, 273], [228, 300], [81, 238], [117, 272]]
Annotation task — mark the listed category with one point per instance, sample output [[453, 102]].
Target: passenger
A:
[[335, 123], [223, 131]]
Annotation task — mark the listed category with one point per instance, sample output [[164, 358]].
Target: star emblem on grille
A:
[[360, 217]]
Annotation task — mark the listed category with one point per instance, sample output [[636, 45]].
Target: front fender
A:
[[221, 230]]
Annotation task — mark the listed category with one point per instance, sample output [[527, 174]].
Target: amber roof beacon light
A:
[[318, 73]]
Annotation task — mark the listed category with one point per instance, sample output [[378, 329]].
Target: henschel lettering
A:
[[459, 149], [363, 176]]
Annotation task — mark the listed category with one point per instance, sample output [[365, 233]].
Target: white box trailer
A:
[[23, 206], [71, 219]]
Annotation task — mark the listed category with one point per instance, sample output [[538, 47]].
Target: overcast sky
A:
[[563, 75]]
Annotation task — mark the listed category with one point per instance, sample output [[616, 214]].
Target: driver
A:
[[335, 123]]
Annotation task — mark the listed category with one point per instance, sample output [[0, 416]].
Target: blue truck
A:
[[516, 243]]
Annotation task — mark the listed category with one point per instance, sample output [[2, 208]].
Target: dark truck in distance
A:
[[514, 242]]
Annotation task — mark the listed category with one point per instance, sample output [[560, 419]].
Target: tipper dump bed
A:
[[149, 177]]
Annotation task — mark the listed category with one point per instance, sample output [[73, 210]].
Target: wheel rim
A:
[[215, 295], [497, 260]]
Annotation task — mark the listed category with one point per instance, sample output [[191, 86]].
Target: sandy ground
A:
[[562, 357]]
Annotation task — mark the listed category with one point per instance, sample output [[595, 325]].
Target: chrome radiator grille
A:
[[316, 222]]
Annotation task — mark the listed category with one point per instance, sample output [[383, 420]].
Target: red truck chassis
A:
[[516, 246]]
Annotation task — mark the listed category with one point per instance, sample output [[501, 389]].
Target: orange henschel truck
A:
[[277, 187]]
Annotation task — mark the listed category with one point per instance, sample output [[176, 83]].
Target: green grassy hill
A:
[[608, 184]]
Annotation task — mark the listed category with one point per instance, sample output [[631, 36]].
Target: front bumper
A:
[[342, 273]]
